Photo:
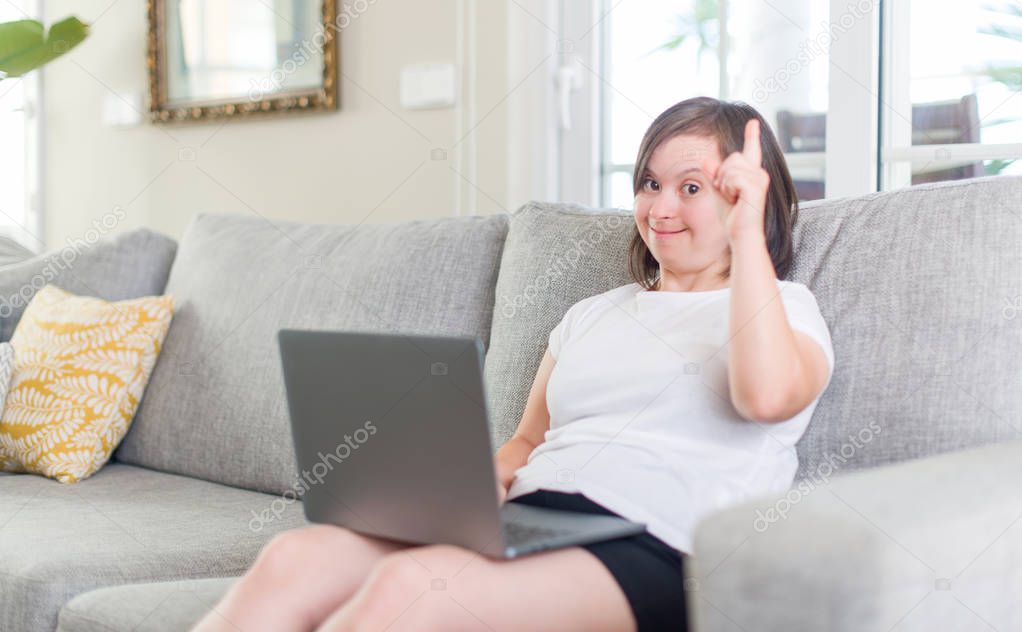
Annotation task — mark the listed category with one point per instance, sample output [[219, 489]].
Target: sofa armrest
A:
[[927, 544]]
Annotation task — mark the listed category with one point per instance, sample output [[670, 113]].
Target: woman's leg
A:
[[450, 588], [299, 577]]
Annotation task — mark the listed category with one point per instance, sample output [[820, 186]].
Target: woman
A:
[[674, 396]]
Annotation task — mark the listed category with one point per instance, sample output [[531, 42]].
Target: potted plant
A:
[[25, 45]]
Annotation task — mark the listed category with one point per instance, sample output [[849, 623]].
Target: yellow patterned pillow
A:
[[81, 365]]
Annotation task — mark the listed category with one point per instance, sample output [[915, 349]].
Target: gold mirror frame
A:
[[321, 98]]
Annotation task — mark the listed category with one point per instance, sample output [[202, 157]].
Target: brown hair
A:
[[725, 122]]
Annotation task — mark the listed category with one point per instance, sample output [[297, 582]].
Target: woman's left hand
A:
[[742, 182]]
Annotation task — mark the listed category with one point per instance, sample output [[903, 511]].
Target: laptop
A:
[[391, 434]]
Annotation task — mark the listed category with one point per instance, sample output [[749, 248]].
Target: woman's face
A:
[[677, 197]]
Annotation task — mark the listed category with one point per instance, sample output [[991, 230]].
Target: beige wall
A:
[[369, 161]]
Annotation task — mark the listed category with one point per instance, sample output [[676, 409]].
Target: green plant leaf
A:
[[672, 44], [705, 12], [24, 45], [1009, 76], [995, 167], [1008, 32]]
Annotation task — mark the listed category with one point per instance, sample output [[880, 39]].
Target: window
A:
[[953, 105], [19, 129], [863, 95], [770, 56]]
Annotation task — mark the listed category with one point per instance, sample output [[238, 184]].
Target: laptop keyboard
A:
[[516, 533]]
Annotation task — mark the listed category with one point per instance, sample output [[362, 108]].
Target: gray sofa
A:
[[906, 510]]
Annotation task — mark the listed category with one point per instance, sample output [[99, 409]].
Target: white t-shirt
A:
[[641, 419]]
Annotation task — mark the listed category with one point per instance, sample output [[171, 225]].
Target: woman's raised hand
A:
[[743, 182]]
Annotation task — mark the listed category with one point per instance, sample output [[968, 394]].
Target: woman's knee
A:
[[392, 588], [288, 552]]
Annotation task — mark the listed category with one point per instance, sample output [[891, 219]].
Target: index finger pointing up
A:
[[752, 150]]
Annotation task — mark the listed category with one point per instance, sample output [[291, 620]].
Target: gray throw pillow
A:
[[128, 265], [6, 371], [12, 252]]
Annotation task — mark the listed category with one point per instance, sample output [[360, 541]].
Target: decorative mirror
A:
[[215, 58]]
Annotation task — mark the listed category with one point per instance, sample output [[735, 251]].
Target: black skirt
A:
[[648, 570]]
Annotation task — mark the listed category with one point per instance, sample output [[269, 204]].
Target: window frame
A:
[[864, 93], [580, 89], [30, 234], [895, 166]]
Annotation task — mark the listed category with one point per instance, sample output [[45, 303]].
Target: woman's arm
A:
[[773, 371], [531, 430]]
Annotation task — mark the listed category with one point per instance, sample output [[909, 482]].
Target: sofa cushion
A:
[[915, 285], [555, 255], [83, 364], [216, 407], [128, 265], [151, 607], [11, 251], [123, 525]]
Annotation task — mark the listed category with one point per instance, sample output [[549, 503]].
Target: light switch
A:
[[428, 86]]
